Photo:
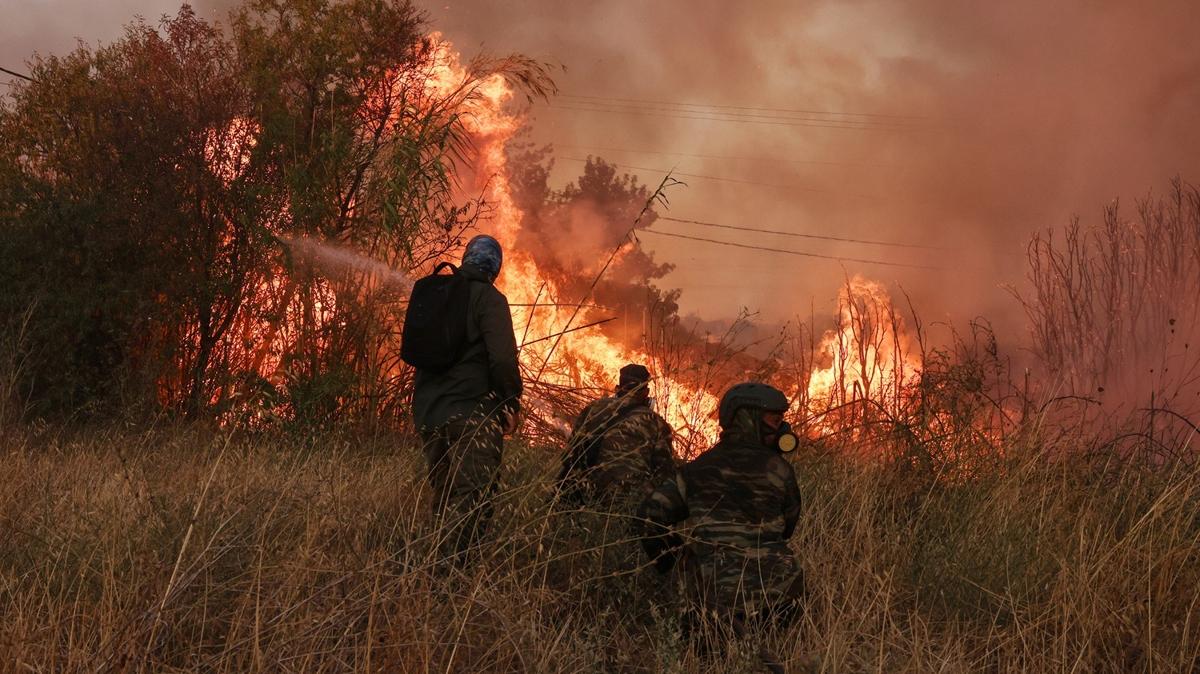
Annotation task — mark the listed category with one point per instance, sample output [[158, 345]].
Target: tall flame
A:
[[525, 283], [867, 355]]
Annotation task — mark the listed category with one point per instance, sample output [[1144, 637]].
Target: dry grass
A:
[[317, 555]]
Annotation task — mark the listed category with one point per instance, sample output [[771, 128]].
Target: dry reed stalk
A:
[[187, 537]]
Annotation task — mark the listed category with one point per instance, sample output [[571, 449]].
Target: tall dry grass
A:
[[182, 550]]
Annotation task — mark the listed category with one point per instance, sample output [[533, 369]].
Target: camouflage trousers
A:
[[745, 585], [463, 462]]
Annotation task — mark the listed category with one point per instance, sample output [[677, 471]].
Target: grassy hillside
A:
[[182, 550]]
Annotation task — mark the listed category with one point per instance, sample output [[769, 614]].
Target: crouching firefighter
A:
[[619, 448], [727, 516], [458, 333]]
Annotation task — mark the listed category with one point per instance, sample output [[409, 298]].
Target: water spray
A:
[[343, 259]]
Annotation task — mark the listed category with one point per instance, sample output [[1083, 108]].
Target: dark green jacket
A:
[[487, 378]]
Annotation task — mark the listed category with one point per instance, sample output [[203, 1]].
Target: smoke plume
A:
[[972, 128], [962, 125]]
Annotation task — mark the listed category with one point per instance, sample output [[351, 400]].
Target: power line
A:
[[786, 252], [743, 107], [728, 180], [753, 116], [794, 124], [718, 156], [804, 236]]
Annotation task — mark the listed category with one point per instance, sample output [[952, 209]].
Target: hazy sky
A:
[[956, 124]]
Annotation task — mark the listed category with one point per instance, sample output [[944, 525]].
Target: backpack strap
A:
[[597, 436], [581, 454]]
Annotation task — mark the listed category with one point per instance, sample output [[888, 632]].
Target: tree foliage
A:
[[153, 194]]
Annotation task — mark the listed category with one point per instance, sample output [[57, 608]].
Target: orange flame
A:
[[523, 282], [868, 354]]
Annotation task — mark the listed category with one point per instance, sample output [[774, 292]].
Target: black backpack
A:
[[435, 325]]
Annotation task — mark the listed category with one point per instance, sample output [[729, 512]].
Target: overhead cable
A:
[[854, 122], [814, 124], [800, 188], [719, 156], [16, 74], [799, 235], [742, 107], [748, 116], [835, 258]]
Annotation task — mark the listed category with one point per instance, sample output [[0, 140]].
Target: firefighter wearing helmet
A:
[[736, 505]]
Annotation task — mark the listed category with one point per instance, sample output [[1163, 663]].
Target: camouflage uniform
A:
[[736, 506], [463, 460], [632, 453], [619, 449]]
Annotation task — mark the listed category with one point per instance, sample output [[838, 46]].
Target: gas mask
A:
[[785, 440]]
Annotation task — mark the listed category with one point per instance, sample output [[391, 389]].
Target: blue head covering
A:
[[484, 252]]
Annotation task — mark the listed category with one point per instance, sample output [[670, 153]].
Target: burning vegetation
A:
[[264, 207], [298, 199], [223, 226], [265, 199]]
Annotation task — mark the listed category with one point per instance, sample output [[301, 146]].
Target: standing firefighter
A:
[[458, 333], [619, 448], [737, 505]]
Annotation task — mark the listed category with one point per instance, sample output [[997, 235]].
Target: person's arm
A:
[[574, 459], [658, 513], [659, 453], [504, 370], [791, 500]]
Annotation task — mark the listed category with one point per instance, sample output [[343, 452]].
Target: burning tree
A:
[[225, 224], [151, 187], [256, 191]]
